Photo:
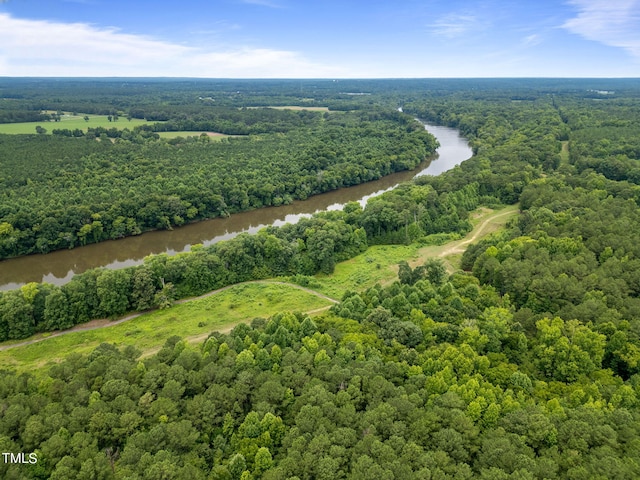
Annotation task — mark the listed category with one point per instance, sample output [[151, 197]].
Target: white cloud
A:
[[612, 22], [532, 40], [45, 48], [454, 25]]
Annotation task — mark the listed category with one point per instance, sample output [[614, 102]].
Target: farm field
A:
[[298, 107], [71, 122], [351, 343]]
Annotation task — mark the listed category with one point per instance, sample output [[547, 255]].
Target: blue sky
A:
[[320, 39]]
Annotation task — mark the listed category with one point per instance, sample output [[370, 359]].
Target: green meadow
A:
[[71, 122], [194, 319], [297, 107], [379, 264]]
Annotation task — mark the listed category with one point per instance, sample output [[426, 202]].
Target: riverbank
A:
[[220, 310], [60, 266]]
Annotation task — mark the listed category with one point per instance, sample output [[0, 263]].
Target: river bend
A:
[[60, 266]]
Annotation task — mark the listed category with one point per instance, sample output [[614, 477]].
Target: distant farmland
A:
[[72, 122]]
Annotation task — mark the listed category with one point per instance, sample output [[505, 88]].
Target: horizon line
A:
[[334, 79]]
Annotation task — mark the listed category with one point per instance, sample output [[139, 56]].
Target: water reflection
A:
[[58, 267]]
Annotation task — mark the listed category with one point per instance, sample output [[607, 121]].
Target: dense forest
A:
[[523, 364], [306, 248], [434, 378], [59, 191]]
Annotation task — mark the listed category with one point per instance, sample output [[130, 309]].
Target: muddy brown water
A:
[[60, 266]]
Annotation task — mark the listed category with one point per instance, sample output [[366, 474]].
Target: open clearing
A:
[[564, 153], [193, 319], [220, 310], [379, 264], [72, 122]]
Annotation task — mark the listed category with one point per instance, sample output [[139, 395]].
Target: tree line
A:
[[59, 192], [525, 365], [310, 246], [429, 377]]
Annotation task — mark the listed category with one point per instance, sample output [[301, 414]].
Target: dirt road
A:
[[105, 322]]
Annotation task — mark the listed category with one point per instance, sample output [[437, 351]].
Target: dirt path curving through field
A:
[[489, 223], [442, 251], [105, 322], [458, 245]]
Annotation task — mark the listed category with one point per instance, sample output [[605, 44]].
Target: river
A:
[[58, 267]]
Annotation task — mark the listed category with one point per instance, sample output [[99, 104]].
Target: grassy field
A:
[[379, 264], [193, 320], [564, 153], [71, 122], [77, 121]]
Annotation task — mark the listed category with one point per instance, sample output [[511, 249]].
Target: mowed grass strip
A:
[[564, 153], [379, 264], [193, 319], [72, 122]]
